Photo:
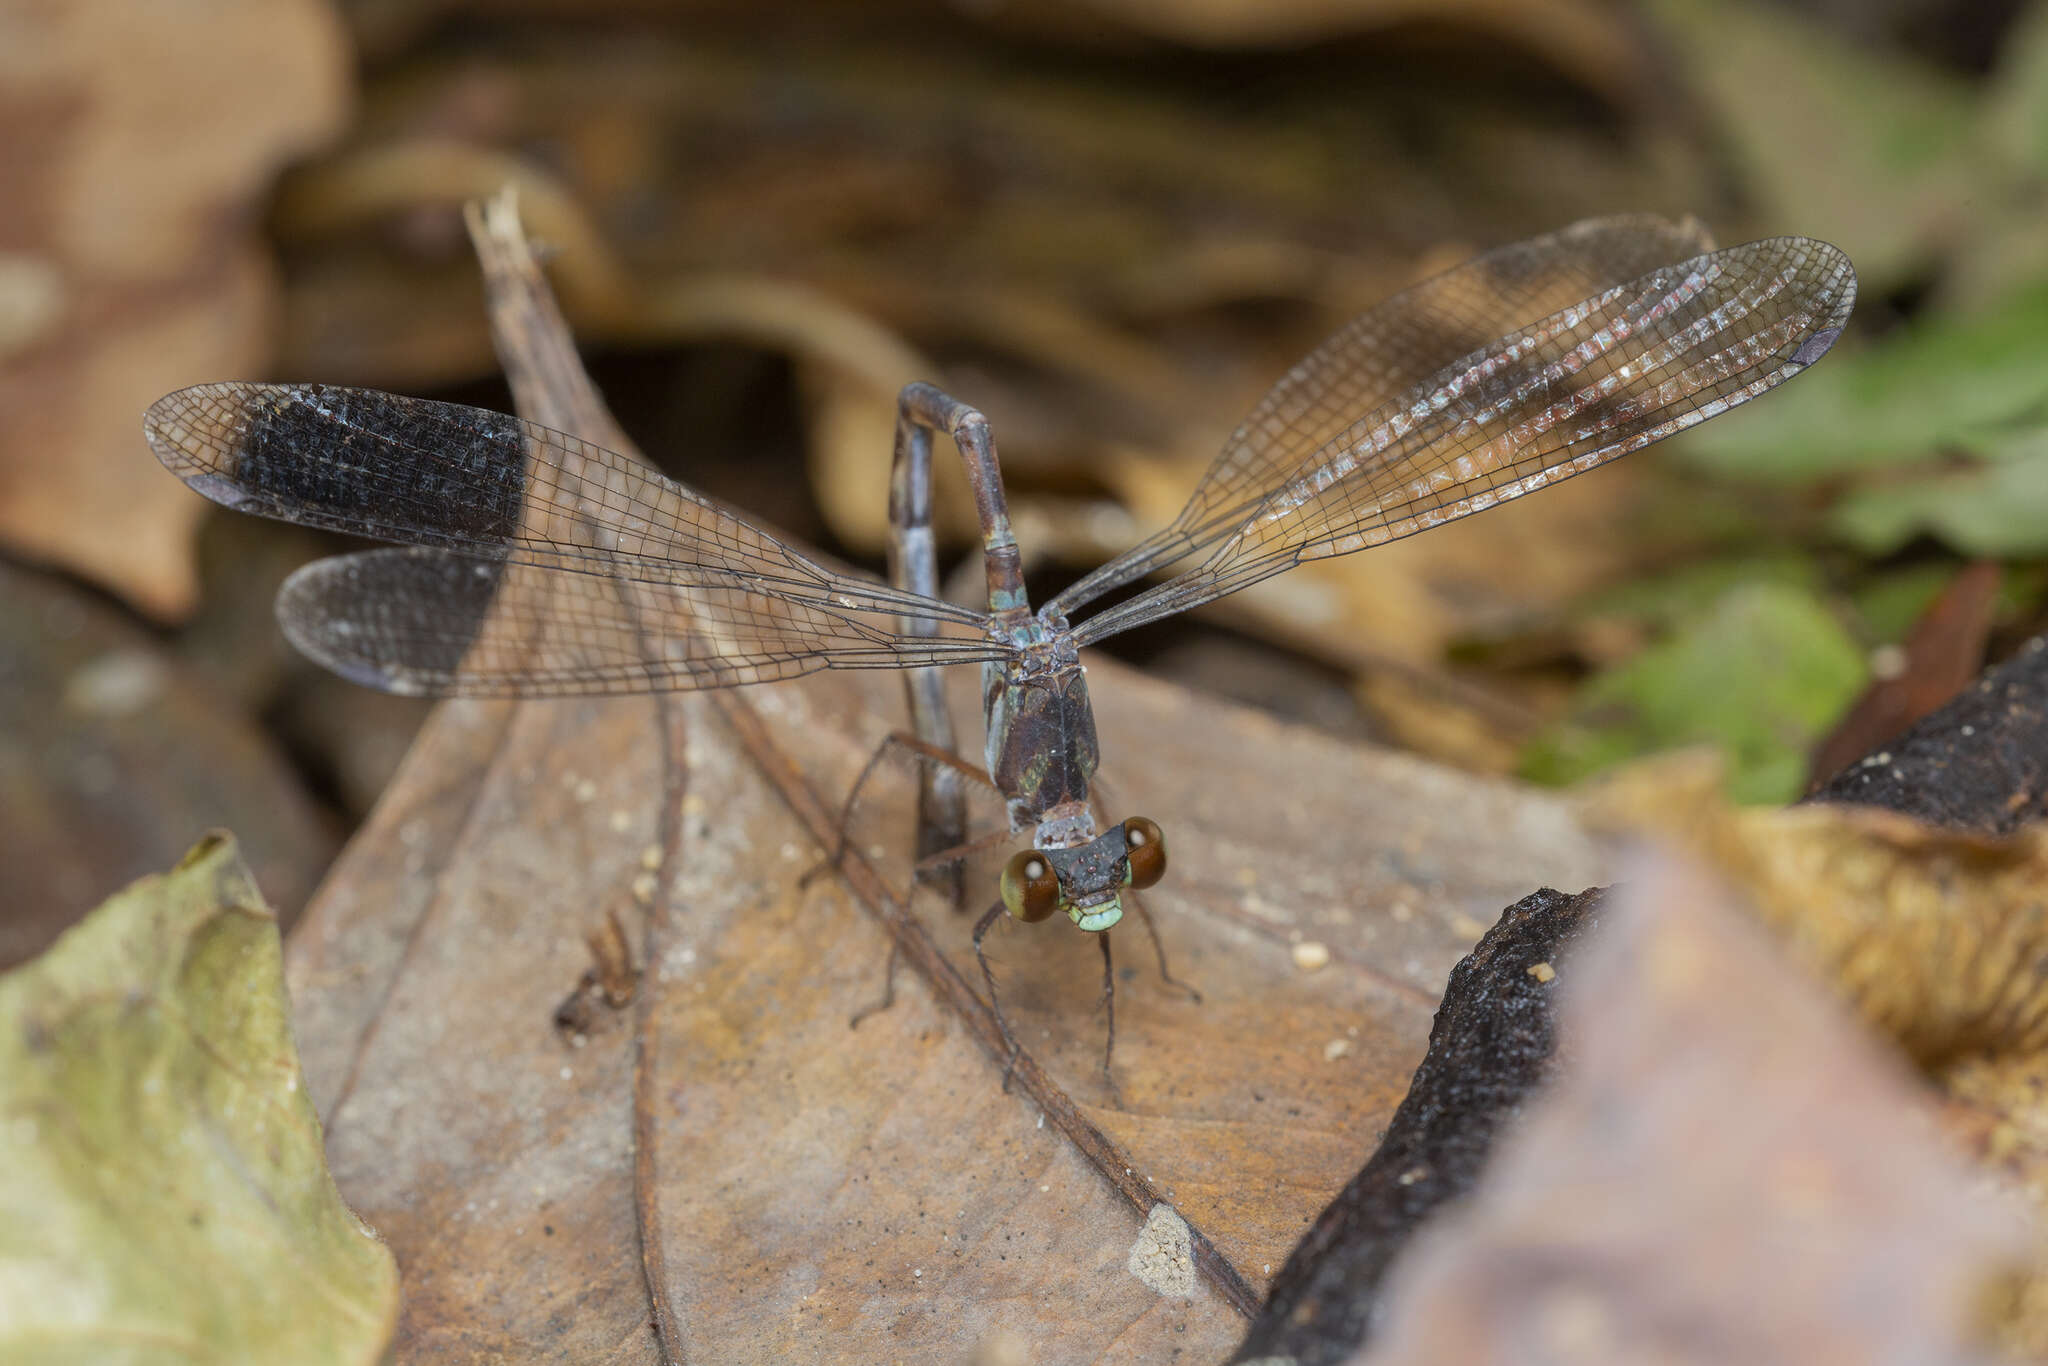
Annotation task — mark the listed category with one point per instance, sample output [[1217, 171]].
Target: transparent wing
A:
[[1387, 351], [441, 624], [579, 549], [1609, 375]]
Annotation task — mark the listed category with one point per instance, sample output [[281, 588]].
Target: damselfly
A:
[[535, 564]]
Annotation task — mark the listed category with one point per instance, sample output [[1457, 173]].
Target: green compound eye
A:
[[1031, 889], [1147, 844]]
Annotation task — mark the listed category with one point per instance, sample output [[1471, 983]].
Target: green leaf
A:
[[1996, 510], [1689, 591], [163, 1192], [1761, 675]]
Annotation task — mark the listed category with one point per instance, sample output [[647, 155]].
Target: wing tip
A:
[[1815, 346], [195, 430], [317, 632]]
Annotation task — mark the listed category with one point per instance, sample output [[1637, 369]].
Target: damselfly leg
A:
[[1013, 1048], [933, 856], [1137, 903]]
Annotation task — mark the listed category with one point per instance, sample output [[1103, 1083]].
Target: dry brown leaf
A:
[[797, 1175], [798, 1188], [143, 128], [1728, 1171], [1592, 43], [1595, 45]]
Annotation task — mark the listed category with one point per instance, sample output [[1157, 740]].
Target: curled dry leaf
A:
[[143, 129], [1720, 1175], [1935, 935], [162, 1189], [1972, 765]]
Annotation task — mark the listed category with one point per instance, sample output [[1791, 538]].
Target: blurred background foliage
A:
[[1108, 223]]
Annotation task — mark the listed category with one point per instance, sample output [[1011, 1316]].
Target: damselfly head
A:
[[1086, 881]]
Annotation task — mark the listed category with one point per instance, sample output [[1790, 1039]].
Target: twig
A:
[[550, 386]]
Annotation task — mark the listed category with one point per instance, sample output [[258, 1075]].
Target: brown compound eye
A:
[[1031, 889], [1147, 845]]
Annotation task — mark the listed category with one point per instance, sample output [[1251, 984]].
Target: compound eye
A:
[[1031, 889], [1147, 845]]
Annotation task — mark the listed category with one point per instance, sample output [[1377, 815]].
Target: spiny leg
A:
[[928, 756], [888, 990], [1109, 1006], [1136, 903], [1097, 801], [988, 976], [944, 857], [952, 856]]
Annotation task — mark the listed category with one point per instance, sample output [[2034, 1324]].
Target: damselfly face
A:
[[1086, 882]]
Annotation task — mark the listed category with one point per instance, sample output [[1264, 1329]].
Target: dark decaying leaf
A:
[[1490, 1046], [1979, 763]]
